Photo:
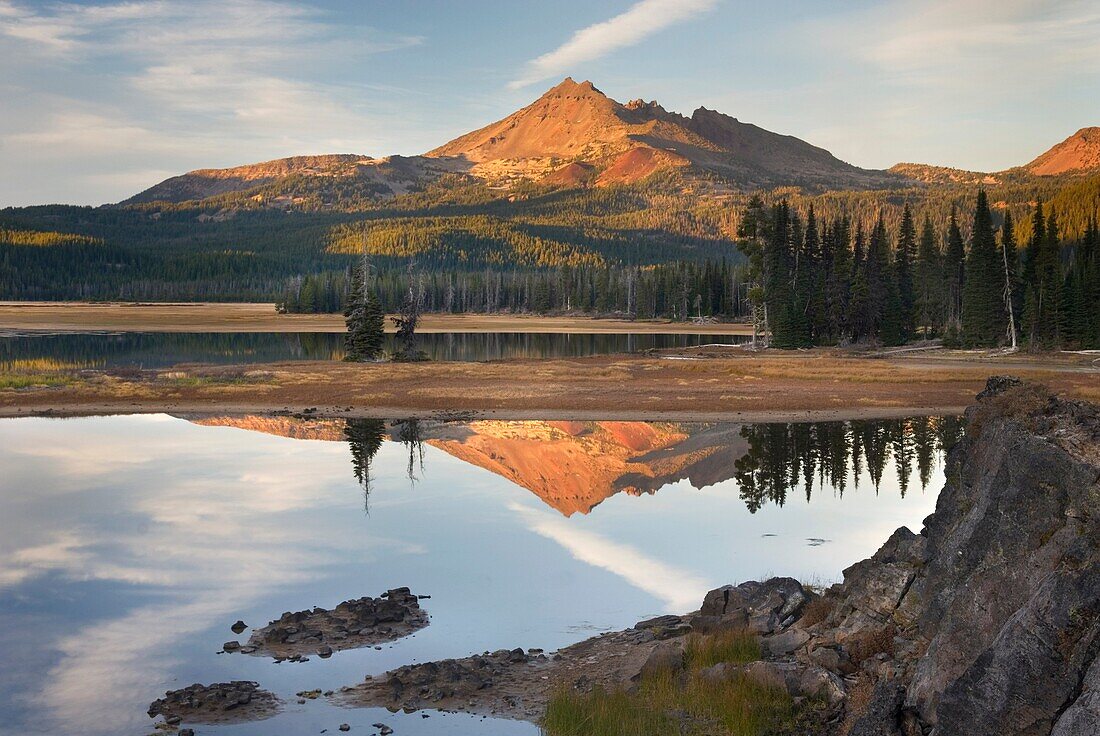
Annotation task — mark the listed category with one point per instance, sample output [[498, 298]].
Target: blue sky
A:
[[101, 99]]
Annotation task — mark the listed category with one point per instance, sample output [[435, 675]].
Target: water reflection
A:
[[782, 456], [128, 545], [574, 466], [164, 349]]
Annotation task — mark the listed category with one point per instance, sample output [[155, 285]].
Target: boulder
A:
[[764, 608], [882, 716]]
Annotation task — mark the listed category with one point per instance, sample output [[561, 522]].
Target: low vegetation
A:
[[672, 702]]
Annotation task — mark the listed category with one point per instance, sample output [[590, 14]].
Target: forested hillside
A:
[[479, 248]]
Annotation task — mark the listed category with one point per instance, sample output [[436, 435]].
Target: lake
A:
[[164, 349], [129, 545]]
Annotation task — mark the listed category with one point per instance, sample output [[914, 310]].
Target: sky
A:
[[99, 100]]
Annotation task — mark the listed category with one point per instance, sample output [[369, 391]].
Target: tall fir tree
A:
[[954, 259], [903, 276], [983, 309], [364, 318], [929, 282]]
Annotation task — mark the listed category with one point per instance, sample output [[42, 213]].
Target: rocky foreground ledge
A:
[[986, 623]]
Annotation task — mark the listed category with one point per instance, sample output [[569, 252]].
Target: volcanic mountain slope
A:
[[574, 135], [574, 123], [571, 466], [1079, 153]]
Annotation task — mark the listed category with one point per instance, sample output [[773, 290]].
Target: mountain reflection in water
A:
[[573, 466]]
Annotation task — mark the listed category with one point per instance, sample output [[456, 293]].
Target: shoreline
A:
[[775, 386], [232, 317]]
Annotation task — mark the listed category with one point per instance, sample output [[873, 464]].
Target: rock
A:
[[667, 656], [883, 714], [220, 702], [665, 627], [1083, 717], [345, 727], [356, 623], [231, 646], [995, 385], [762, 607], [797, 679], [238, 627], [784, 643], [186, 732]]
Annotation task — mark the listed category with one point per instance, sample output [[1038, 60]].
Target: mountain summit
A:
[[575, 132]]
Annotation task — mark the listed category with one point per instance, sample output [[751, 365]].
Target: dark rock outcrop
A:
[[988, 622]]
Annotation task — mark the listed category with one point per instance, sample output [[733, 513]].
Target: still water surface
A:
[[163, 349], [129, 545]]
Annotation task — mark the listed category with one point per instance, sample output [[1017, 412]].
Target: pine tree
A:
[[929, 282], [903, 276], [882, 293], [364, 318], [859, 309], [954, 279], [983, 313], [1043, 283]]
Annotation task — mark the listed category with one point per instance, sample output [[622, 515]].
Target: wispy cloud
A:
[[209, 82], [626, 29]]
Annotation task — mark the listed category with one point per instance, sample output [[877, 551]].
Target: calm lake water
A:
[[129, 545], [163, 349]]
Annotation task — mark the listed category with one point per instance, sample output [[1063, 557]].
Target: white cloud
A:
[[643, 19], [178, 85]]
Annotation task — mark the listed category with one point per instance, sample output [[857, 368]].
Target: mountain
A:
[[1077, 154], [573, 136], [575, 123], [384, 176]]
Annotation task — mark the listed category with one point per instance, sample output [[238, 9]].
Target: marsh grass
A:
[[13, 381], [682, 703], [734, 645]]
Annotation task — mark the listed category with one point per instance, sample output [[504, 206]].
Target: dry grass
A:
[[817, 611], [733, 645], [870, 642], [671, 702], [1020, 403]]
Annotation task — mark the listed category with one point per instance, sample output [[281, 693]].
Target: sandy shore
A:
[[261, 317], [745, 386]]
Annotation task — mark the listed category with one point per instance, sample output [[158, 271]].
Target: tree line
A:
[[680, 291], [837, 283]]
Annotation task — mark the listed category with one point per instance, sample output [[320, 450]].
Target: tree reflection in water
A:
[[364, 437], [780, 456]]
